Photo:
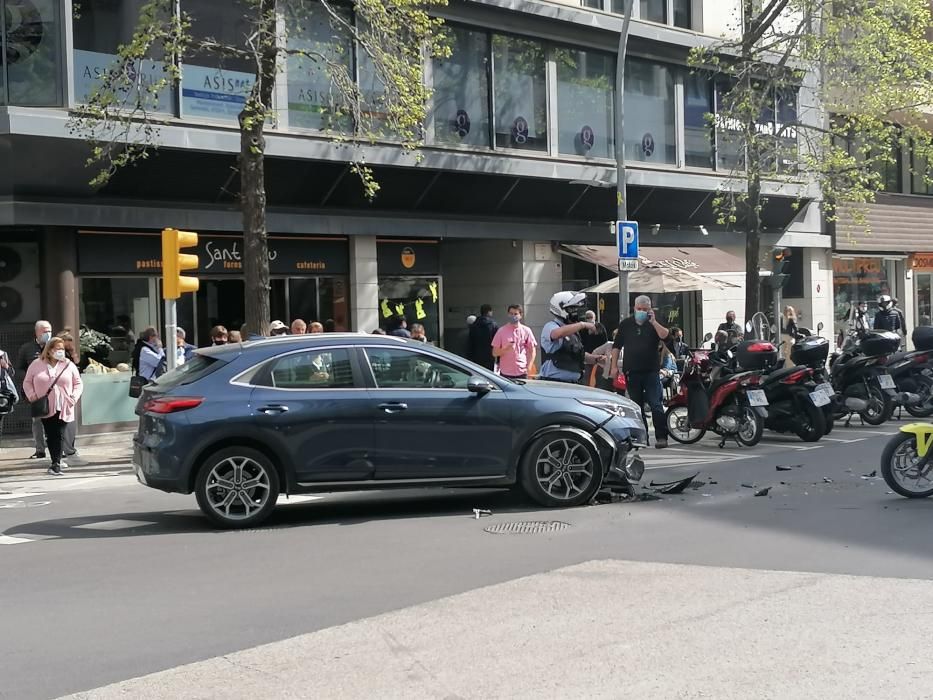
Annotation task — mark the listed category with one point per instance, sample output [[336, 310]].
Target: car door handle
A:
[[270, 410], [393, 407]]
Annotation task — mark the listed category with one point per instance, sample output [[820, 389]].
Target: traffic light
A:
[[174, 262], [779, 259]]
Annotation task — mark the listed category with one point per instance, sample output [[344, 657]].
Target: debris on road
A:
[[827, 480], [674, 487], [764, 491], [481, 513], [871, 475], [783, 469], [749, 486]]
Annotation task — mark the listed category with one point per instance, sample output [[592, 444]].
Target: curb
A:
[[90, 440]]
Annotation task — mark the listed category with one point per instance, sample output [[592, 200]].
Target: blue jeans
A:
[[645, 388]]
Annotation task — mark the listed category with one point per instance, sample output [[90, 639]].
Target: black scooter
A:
[[859, 376]]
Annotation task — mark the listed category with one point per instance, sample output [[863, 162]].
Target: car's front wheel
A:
[[237, 487], [561, 469]]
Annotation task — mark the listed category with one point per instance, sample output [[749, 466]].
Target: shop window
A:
[[313, 101], [213, 86], [698, 131], [585, 81], [99, 28], [319, 299], [415, 299], [649, 112], [924, 298], [405, 369], [460, 102], [653, 10], [520, 93], [32, 42], [859, 279]]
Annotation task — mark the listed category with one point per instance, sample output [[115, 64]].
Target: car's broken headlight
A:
[[616, 409]]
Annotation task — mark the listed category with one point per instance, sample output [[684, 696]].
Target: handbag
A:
[[137, 382], [40, 407]]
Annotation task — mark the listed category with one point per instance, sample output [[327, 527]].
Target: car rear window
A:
[[195, 368]]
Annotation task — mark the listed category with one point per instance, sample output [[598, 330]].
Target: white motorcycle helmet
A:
[[567, 305], [885, 302]]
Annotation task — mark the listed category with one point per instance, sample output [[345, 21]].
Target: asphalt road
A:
[[103, 580]]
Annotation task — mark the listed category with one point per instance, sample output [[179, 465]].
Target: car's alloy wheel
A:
[[561, 468], [237, 487]]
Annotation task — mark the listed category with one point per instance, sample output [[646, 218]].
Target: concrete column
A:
[[542, 277], [364, 284], [59, 289]]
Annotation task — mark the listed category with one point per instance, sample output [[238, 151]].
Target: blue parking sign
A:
[[627, 239]]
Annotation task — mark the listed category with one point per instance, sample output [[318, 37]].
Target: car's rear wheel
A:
[[561, 469], [237, 487]]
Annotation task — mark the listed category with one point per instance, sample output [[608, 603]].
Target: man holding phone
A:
[[640, 334]]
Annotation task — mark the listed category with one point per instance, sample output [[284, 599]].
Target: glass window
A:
[[729, 150], [318, 299], [117, 309], [520, 91], [32, 40], [698, 131], [312, 369], [585, 81], [683, 14], [924, 299], [404, 369], [593, 4], [215, 87], [890, 170], [99, 28], [415, 298], [197, 367], [653, 10], [649, 112], [313, 101], [920, 171], [460, 102], [856, 280], [373, 94], [786, 130]]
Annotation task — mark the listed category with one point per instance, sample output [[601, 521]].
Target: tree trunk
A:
[[752, 245], [253, 175], [752, 213]]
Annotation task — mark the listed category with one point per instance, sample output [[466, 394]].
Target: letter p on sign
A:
[[627, 236]]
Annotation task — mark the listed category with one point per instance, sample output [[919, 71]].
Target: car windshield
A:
[[195, 368]]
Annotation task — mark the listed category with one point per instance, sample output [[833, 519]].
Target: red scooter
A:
[[711, 397]]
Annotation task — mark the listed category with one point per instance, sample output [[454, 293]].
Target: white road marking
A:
[[19, 495], [829, 439], [114, 525], [291, 500], [8, 539]]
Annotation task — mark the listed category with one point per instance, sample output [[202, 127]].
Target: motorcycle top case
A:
[[922, 337], [756, 354], [880, 343], [811, 352]]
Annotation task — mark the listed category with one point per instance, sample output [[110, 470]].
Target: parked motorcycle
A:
[[913, 373], [795, 402], [812, 350], [713, 397], [859, 375], [907, 461]]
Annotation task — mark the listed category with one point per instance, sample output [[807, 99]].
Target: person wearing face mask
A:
[[640, 335], [218, 335], [54, 376], [149, 357], [27, 354], [563, 356], [514, 345]]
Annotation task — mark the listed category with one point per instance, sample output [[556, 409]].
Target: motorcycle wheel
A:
[[751, 426], [678, 426], [810, 423], [924, 409], [900, 471], [880, 407], [829, 419]]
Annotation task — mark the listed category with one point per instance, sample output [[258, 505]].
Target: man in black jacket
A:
[[482, 331], [28, 352]]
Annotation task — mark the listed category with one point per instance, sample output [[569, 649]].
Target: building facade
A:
[[518, 161]]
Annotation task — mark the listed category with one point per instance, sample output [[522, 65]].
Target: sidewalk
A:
[[109, 451]]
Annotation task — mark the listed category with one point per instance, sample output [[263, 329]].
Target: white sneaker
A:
[[63, 464]]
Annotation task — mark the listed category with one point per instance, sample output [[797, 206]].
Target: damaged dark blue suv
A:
[[239, 424]]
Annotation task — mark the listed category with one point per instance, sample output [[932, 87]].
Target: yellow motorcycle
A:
[[907, 461]]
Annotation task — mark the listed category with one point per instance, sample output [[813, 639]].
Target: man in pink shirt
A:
[[514, 346]]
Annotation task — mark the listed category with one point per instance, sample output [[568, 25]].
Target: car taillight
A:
[[796, 377], [172, 404]]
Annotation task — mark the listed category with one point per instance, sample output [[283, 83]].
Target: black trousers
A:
[[645, 388], [54, 431]]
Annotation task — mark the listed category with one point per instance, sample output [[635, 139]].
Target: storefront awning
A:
[[700, 260], [661, 280]]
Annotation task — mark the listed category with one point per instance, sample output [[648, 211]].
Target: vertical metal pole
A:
[[169, 343], [621, 195]]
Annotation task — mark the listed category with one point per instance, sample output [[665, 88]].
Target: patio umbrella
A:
[[661, 279]]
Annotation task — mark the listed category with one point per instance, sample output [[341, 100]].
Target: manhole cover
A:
[[529, 527]]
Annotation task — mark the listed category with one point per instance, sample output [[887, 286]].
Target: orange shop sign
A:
[[922, 262]]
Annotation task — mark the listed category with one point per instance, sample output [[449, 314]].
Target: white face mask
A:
[[58, 355]]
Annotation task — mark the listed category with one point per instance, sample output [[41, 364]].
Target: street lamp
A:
[[621, 202]]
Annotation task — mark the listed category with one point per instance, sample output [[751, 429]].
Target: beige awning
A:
[[661, 280], [703, 260]]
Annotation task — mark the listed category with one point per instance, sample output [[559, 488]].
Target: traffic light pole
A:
[[171, 331], [621, 193]]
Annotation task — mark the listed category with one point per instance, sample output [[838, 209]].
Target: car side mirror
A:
[[749, 327], [479, 386], [707, 337], [819, 327]]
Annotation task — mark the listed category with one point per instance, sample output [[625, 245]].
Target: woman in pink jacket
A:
[[52, 370]]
